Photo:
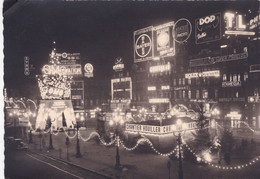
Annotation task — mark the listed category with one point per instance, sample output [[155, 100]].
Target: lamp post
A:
[[78, 154], [117, 120], [179, 129], [30, 134], [50, 123]]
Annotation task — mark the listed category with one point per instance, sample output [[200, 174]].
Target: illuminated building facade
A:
[[121, 87], [219, 70]]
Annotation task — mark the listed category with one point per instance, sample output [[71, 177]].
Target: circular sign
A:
[[88, 68], [64, 55], [163, 39], [182, 30], [143, 45]]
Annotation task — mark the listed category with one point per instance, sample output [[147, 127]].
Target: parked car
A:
[[18, 144]]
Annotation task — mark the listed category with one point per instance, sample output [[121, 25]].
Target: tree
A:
[[202, 140], [227, 142]]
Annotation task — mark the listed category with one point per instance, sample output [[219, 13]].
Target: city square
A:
[[131, 89]]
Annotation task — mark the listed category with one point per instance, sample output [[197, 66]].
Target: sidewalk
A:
[[135, 165]]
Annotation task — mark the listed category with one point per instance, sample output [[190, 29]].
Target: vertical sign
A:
[[143, 42], [207, 29], [164, 44], [26, 66]]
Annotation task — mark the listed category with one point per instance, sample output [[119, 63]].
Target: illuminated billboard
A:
[[64, 58], [143, 44], [54, 86], [207, 29], [121, 88], [62, 69], [60, 112], [235, 24], [164, 44]]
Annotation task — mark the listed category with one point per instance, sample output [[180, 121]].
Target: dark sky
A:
[[100, 31]]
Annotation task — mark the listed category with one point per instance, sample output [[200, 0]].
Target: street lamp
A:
[[117, 120], [50, 124], [30, 134], [178, 130], [78, 154]]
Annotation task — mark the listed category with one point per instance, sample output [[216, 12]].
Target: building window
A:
[[189, 94], [224, 77], [183, 94], [174, 94], [189, 81], [180, 94], [197, 94], [216, 93], [174, 82], [179, 81], [183, 81], [237, 94], [235, 77], [230, 77], [205, 94], [245, 76], [238, 77]]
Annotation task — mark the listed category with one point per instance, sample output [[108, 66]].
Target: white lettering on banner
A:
[[160, 68], [118, 67], [231, 83], [207, 19], [159, 100], [215, 73], [217, 59], [167, 87], [158, 129], [62, 69], [255, 22], [151, 88]]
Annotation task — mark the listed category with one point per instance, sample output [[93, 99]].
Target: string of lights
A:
[[236, 167], [90, 136], [71, 137], [139, 141], [105, 143]]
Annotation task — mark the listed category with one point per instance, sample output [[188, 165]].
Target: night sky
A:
[[100, 31]]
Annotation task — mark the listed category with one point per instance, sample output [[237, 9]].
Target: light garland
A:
[[104, 143], [251, 162], [139, 141], [71, 137], [90, 136]]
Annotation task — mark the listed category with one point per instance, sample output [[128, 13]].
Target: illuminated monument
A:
[[55, 88]]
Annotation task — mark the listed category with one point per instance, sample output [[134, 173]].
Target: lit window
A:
[[174, 82], [235, 77], [230, 77], [189, 94], [183, 94], [189, 81], [183, 81], [245, 76], [238, 77], [205, 94], [179, 81], [224, 77], [197, 94]]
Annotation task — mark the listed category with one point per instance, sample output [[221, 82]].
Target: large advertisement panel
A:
[[143, 44], [207, 29], [164, 44], [60, 112]]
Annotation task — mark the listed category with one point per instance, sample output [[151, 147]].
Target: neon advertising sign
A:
[[207, 29], [160, 68], [235, 25], [143, 42], [61, 70]]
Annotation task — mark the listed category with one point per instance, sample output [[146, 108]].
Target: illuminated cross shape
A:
[[143, 43]]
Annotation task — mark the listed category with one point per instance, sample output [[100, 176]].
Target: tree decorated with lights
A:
[[55, 89]]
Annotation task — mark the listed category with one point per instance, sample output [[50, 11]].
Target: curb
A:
[[75, 165]]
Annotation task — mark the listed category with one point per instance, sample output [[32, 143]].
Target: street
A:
[[27, 165]]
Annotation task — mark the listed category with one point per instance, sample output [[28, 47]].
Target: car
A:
[[18, 144]]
